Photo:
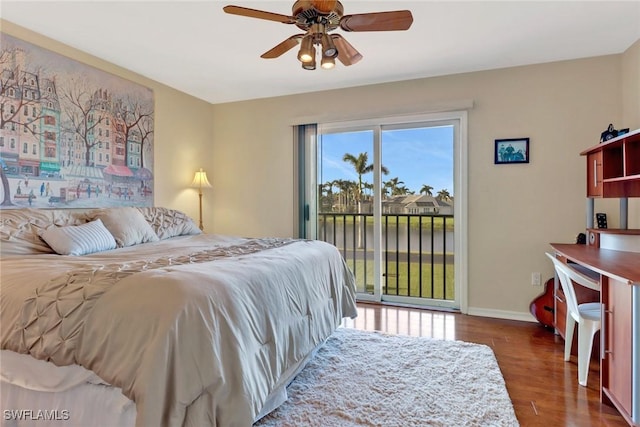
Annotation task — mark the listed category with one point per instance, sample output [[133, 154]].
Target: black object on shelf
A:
[[601, 220], [608, 134]]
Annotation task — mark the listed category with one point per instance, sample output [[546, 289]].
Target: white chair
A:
[[587, 316]]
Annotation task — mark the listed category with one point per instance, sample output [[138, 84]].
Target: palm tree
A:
[[326, 194], [369, 188], [444, 195], [402, 191], [392, 185], [362, 166], [343, 191], [352, 195], [426, 189]]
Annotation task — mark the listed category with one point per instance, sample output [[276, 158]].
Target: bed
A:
[[154, 323]]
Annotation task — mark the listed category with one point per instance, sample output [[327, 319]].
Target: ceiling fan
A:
[[318, 18]]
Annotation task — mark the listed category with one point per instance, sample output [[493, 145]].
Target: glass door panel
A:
[[345, 194], [417, 214]]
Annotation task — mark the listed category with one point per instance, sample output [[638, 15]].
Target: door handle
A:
[[603, 333]]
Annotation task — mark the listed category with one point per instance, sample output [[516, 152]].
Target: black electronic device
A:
[[601, 220], [608, 134]]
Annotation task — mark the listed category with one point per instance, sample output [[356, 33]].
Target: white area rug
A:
[[363, 378]]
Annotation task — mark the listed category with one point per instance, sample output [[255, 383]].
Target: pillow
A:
[[169, 222], [20, 229], [79, 239], [127, 225]]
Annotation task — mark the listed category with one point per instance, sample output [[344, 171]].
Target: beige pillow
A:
[[127, 225], [20, 229], [169, 222]]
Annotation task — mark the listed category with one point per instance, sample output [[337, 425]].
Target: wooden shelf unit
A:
[[613, 171], [630, 231], [613, 167]]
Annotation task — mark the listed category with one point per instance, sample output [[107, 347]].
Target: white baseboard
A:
[[501, 314]]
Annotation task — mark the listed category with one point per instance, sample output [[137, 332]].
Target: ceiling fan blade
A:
[[347, 54], [260, 14], [397, 20], [283, 47]]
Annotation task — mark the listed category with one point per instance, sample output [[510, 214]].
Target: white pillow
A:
[[127, 225], [79, 239]]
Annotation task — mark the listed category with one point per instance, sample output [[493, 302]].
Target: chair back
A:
[[564, 273]]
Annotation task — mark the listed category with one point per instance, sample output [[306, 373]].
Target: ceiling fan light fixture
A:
[[309, 65], [327, 62], [307, 51], [317, 19], [328, 47]]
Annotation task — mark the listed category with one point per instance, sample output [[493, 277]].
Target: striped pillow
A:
[[79, 239]]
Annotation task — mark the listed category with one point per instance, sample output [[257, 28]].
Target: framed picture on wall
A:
[[83, 137], [514, 150]]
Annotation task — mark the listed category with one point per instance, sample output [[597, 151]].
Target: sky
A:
[[415, 156]]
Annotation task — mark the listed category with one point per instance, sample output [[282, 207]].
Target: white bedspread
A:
[[191, 343]]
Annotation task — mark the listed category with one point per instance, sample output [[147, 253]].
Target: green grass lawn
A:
[[403, 279]]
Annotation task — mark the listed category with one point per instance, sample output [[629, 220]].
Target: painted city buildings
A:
[[71, 135]]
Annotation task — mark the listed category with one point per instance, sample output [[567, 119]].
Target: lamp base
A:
[[201, 225]]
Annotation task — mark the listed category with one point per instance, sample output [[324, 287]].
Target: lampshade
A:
[[309, 65], [200, 180], [327, 62], [307, 51], [328, 48]]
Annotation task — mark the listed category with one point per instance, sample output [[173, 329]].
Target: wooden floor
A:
[[543, 387]]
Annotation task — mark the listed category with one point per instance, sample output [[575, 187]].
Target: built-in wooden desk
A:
[[624, 266], [619, 274]]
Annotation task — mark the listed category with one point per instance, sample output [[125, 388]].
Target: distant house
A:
[[417, 205], [446, 206]]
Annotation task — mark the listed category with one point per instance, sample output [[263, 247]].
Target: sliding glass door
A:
[[387, 196]]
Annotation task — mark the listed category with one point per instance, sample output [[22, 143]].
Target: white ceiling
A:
[[193, 46]]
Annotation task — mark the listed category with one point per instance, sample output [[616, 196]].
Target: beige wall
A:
[[514, 210], [631, 87], [631, 109], [182, 128]]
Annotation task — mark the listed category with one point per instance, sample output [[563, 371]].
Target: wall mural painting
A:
[[71, 136]]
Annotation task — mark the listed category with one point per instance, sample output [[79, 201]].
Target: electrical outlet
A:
[[535, 279]]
